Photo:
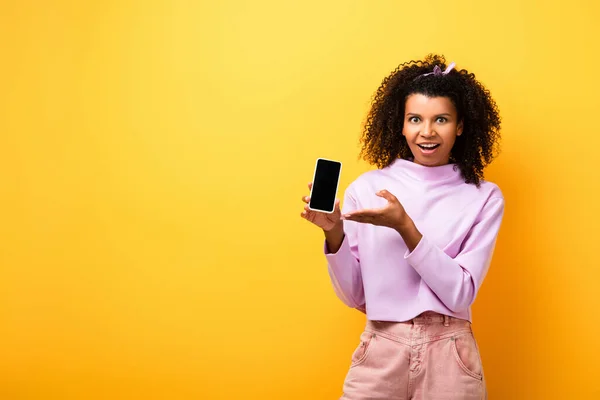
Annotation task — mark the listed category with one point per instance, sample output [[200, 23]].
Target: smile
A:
[[429, 148]]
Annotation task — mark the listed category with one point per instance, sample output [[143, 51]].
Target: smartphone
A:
[[325, 184]]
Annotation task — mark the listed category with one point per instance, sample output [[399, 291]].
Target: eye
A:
[[413, 120], [441, 120]]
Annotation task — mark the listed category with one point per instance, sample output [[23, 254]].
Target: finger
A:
[[306, 214], [337, 205], [306, 199], [363, 213], [387, 195], [365, 219], [309, 185]]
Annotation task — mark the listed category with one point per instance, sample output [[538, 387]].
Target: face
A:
[[430, 127]]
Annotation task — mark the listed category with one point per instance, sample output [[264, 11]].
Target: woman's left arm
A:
[[454, 280]]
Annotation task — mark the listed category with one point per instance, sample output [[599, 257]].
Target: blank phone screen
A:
[[327, 175]]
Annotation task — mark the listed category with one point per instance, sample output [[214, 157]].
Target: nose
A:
[[427, 130]]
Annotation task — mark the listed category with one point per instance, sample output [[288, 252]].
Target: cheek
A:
[[409, 133], [450, 136], [450, 139]]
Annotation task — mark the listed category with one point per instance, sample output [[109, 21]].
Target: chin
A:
[[433, 160], [429, 163]]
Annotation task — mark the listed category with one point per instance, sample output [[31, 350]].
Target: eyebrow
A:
[[438, 115]]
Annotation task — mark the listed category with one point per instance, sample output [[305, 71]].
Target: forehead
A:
[[420, 104]]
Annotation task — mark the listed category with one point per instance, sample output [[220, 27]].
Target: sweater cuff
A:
[[340, 257], [330, 254], [419, 253]]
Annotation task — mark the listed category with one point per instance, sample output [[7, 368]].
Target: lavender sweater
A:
[[373, 270]]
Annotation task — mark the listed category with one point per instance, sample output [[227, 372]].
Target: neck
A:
[[426, 173]]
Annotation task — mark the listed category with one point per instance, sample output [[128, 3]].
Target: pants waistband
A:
[[422, 328], [426, 318], [431, 317]]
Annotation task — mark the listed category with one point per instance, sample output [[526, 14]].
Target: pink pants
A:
[[430, 357]]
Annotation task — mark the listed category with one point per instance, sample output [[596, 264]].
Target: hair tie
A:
[[437, 71]]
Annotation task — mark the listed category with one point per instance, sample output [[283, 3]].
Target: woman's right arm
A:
[[341, 251], [334, 237]]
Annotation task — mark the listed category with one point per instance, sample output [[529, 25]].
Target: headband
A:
[[437, 71]]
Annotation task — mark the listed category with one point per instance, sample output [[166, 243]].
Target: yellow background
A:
[[152, 159]]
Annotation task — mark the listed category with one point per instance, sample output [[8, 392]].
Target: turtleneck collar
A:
[[424, 173]]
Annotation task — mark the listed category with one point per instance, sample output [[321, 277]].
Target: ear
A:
[[459, 128]]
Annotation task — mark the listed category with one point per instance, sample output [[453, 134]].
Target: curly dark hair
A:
[[382, 140]]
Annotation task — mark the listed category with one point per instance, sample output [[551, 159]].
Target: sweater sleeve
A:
[[456, 280], [344, 265]]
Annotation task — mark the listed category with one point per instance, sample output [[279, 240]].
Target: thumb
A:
[[337, 205], [387, 195]]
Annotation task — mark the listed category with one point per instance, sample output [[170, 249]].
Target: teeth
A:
[[428, 146]]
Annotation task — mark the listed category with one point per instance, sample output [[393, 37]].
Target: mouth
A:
[[428, 148]]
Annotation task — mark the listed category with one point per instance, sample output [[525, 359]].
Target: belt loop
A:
[[446, 320]]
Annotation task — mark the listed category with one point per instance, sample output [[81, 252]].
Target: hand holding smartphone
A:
[[325, 185], [322, 208]]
